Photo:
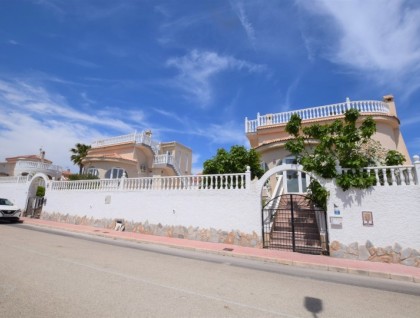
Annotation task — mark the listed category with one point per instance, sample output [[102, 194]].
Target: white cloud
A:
[[226, 133], [33, 117], [377, 34], [380, 38], [37, 101], [24, 135], [198, 68], [239, 10]]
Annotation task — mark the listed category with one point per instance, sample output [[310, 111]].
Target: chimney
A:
[[41, 155], [389, 99]]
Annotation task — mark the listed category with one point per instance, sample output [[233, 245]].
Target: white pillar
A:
[[416, 160], [300, 182], [122, 181], [248, 177], [285, 185]]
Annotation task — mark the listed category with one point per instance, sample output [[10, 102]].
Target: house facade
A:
[[268, 136], [137, 155], [30, 165]]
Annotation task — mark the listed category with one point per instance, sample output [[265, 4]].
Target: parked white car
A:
[[9, 211]]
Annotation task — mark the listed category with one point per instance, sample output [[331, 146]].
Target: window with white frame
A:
[[92, 171], [115, 173]]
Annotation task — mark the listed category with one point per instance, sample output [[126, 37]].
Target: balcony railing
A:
[[366, 106], [167, 159], [219, 182], [31, 167], [138, 138]]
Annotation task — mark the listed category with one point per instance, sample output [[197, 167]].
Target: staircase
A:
[[306, 238]]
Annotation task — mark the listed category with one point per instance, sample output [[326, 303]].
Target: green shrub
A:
[[75, 177]]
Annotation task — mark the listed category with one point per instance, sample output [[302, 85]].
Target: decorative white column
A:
[[122, 181], [300, 181], [248, 177], [416, 159]]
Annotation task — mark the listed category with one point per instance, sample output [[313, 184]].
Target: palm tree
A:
[[78, 154]]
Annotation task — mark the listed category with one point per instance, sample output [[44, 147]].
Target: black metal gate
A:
[[292, 222], [34, 207]]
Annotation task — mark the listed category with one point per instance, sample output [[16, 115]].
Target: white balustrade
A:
[[97, 185], [163, 159], [35, 165], [367, 106], [389, 175], [19, 179], [234, 181], [139, 138], [167, 159]]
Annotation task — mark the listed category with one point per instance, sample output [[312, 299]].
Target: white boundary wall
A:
[[196, 201], [219, 209], [395, 210], [200, 202]]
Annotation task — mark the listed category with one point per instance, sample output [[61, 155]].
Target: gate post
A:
[[293, 223], [248, 177]]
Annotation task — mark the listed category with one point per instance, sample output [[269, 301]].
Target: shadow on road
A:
[[313, 305]]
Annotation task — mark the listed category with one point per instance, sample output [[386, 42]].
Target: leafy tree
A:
[[324, 148], [234, 161], [394, 158], [79, 152]]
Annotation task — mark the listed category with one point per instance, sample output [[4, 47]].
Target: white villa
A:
[[137, 155], [267, 133], [22, 166]]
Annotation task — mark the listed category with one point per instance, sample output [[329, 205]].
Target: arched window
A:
[[115, 173]]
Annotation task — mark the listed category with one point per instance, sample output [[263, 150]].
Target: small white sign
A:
[[336, 220]]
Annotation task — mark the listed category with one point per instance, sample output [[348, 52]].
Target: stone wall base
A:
[[190, 233], [368, 252]]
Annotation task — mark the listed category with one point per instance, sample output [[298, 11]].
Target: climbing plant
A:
[[325, 149]]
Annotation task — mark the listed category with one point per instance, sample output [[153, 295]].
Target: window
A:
[[289, 160], [92, 171], [115, 173]]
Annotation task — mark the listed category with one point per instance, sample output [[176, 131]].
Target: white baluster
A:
[[378, 182], [393, 181], [410, 175], [385, 177]]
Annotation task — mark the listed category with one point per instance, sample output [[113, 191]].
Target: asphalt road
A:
[[47, 273]]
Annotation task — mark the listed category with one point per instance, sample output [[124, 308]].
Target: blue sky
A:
[[80, 70]]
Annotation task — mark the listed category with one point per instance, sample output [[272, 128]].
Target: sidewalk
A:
[[319, 262]]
